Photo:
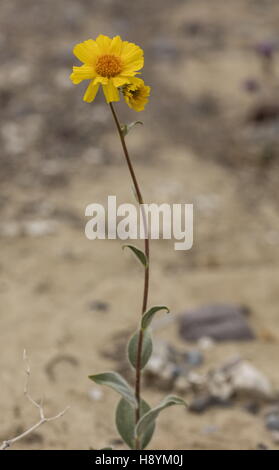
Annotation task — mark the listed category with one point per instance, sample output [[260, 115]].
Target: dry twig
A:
[[8, 443]]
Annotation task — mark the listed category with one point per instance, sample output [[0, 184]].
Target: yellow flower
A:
[[136, 94], [107, 62]]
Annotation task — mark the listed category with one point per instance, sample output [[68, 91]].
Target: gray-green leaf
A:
[[125, 128], [150, 417], [116, 382], [139, 254], [148, 316], [146, 348], [125, 423]]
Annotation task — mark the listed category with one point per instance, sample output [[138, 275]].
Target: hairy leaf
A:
[[139, 254], [150, 417], [116, 382], [146, 348], [148, 316], [125, 128], [125, 423]]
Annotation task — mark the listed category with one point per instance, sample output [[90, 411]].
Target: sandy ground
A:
[[58, 155]]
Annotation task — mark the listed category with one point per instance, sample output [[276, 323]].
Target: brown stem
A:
[[146, 274]]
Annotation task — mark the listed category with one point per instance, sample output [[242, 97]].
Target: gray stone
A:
[[99, 306], [194, 358], [205, 401], [221, 322], [200, 403], [272, 422], [240, 379], [252, 407], [210, 429], [261, 446], [248, 381]]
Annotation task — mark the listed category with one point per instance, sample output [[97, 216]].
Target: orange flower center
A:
[[108, 65]]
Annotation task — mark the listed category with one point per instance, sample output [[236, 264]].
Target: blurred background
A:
[[210, 137]]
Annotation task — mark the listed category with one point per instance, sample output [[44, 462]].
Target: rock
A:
[[200, 403], [249, 381], [96, 394], [168, 376], [40, 228], [159, 370], [222, 322], [205, 401], [241, 379], [210, 429], [160, 357], [262, 446], [161, 377], [182, 385], [197, 381], [252, 407], [33, 228], [194, 358], [99, 306], [154, 366], [272, 421], [219, 385], [170, 368], [205, 343]]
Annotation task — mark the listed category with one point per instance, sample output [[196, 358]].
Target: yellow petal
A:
[[86, 51], [111, 92], [137, 81], [121, 80], [91, 92], [147, 90], [101, 80], [132, 56], [132, 68], [116, 45], [103, 43], [84, 72]]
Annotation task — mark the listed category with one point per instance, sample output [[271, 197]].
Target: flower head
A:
[[136, 94], [109, 62]]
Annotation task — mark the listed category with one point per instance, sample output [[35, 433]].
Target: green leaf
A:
[[116, 382], [125, 423], [146, 348], [139, 254], [148, 316], [125, 128], [150, 417]]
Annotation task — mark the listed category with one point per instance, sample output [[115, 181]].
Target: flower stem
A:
[[146, 273]]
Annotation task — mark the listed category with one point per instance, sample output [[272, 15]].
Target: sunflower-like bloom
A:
[[107, 62], [136, 94]]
